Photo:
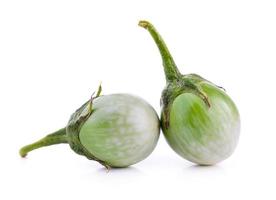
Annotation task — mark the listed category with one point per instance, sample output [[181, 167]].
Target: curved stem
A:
[[51, 139], [171, 71]]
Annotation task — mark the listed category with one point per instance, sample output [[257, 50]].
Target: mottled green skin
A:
[[122, 130], [201, 134], [200, 122], [115, 130]]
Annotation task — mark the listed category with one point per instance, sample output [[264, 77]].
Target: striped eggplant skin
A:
[[201, 134], [199, 120], [122, 130], [116, 130]]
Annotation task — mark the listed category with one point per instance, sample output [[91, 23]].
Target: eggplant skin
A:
[[122, 130], [203, 135]]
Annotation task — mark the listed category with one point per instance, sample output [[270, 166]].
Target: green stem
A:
[[170, 68], [51, 139]]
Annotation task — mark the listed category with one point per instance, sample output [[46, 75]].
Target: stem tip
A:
[[145, 24], [22, 153]]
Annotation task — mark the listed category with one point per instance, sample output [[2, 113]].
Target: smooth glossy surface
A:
[[122, 130], [200, 134]]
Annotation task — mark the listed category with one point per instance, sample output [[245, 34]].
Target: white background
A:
[[54, 53]]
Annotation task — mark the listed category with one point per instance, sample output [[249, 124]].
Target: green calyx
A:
[[74, 126], [69, 134], [177, 83]]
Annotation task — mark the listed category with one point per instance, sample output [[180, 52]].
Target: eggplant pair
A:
[[199, 121]]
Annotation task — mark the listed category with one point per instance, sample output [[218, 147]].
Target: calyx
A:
[[77, 119]]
